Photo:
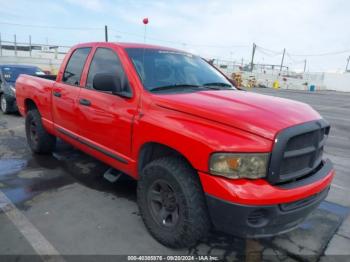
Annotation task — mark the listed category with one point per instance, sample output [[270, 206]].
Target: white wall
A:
[[338, 82], [322, 81], [44, 63], [268, 78]]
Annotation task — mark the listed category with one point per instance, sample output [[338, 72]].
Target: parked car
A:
[[8, 77], [205, 154]]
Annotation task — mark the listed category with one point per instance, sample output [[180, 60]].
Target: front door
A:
[[106, 119]]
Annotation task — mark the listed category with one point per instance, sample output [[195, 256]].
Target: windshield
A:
[[161, 69], [11, 73]]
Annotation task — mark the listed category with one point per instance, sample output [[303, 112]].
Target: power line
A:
[[323, 54], [269, 51], [293, 60], [179, 42], [263, 50], [52, 27], [121, 32], [275, 53]]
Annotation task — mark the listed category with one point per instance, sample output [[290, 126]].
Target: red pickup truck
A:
[[205, 154]]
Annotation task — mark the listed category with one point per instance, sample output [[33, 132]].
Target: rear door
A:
[[105, 118], [66, 92]]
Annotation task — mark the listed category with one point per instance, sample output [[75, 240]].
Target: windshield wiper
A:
[[217, 84], [158, 88]]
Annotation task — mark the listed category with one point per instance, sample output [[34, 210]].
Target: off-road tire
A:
[[193, 220], [41, 142]]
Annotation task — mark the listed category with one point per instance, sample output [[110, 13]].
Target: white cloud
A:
[[94, 5], [313, 26], [302, 27]]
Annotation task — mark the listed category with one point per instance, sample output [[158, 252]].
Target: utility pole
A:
[[304, 65], [106, 33], [252, 61], [347, 64], [284, 51], [15, 45], [30, 45]]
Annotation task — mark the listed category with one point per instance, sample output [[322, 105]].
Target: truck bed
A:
[[49, 77], [38, 89]]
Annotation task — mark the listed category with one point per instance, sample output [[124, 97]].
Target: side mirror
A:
[[107, 82]]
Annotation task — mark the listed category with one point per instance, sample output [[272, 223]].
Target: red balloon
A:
[[145, 21]]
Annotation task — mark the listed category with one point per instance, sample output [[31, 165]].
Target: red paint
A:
[[194, 124], [258, 192]]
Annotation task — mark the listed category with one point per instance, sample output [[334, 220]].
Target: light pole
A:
[[252, 61], [106, 33], [284, 51]]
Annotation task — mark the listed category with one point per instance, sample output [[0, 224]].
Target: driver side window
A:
[[106, 61]]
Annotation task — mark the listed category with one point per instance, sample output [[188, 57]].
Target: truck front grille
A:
[[298, 151]]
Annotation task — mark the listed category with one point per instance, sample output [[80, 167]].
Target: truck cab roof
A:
[[128, 45]]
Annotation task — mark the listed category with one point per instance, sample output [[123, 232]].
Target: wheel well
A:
[[152, 151], [29, 105]]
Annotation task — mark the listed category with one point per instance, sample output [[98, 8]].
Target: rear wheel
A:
[[39, 140], [172, 203], [4, 104]]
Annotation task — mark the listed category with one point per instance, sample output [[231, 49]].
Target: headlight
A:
[[245, 165]]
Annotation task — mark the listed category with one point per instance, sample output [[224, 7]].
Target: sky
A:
[[315, 30]]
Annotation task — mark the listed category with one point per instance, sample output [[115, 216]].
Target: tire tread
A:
[[47, 142], [198, 223]]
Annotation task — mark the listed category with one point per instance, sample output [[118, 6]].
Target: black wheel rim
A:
[[33, 132], [163, 203]]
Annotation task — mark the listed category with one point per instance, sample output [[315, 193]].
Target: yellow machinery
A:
[[237, 77]]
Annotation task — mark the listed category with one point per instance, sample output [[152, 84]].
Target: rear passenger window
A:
[[106, 61], [75, 66]]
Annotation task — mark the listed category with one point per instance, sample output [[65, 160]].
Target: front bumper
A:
[[261, 221], [255, 208]]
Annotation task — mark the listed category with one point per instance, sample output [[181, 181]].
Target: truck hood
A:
[[259, 114]]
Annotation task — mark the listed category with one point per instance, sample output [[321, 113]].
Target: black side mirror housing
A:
[[107, 82]]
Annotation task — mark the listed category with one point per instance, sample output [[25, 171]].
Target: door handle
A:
[[84, 102], [57, 94]]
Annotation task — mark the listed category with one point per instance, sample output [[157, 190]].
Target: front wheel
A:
[[39, 140], [172, 203], [4, 104]]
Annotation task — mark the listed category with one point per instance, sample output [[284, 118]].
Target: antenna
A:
[[145, 22]]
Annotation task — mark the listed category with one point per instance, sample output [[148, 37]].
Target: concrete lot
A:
[[60, 204]]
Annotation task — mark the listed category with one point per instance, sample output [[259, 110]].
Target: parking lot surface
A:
[[61, 205]]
